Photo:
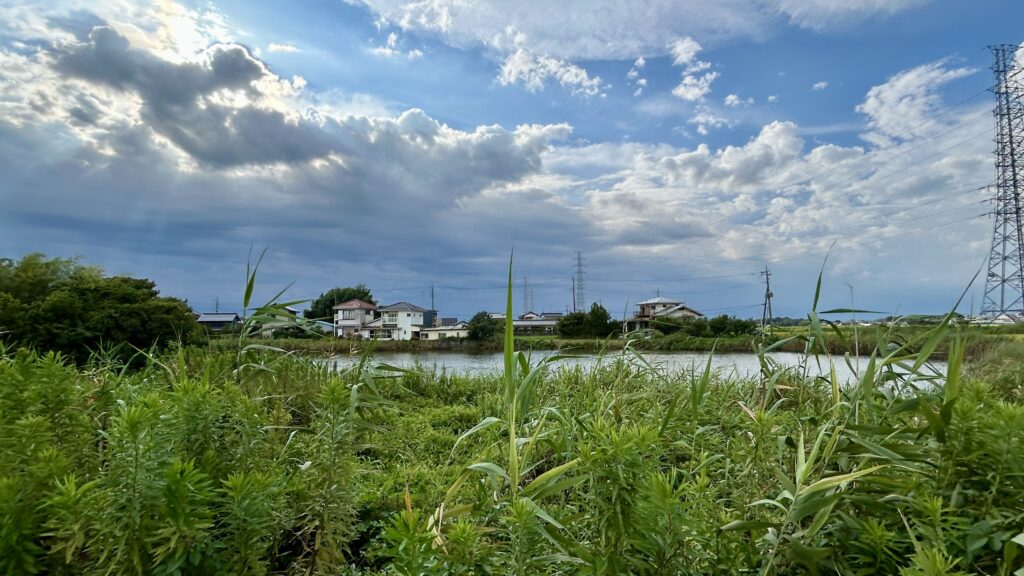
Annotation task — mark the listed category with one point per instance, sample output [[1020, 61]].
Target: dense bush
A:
[[716, 327], [60, 305], [597, 323]]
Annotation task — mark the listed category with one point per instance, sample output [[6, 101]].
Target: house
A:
[[444, 332], [649, 312], [217, 321], [533, 324], [350, 315], [399, 321]]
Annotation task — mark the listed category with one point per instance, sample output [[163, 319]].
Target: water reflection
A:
[[740, 365]]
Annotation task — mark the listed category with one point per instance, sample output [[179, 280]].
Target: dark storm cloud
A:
[[176, 105]]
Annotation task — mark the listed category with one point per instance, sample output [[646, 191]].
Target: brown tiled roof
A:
[[355, 303]]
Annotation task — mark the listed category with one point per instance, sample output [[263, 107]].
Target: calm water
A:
[[731, 364]]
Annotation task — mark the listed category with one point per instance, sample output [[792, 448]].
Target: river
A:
[[742, 365]]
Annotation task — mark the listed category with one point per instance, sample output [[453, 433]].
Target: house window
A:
[[348, 314], [391, 317]]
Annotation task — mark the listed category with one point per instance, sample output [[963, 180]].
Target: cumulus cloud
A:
[[187, 103], [819, 85], [696, 82], [734, 101], [907, 106], [533, 71]]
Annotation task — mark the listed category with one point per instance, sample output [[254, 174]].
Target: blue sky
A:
[[681, 146]]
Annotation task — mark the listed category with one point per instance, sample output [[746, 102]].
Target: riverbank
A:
[[845, 340]]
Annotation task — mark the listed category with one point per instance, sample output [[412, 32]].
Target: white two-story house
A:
[[399, 321]]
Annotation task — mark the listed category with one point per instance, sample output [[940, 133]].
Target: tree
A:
[[60, 305], [572, 325], [482, 327], [323, 307], [599, 322]]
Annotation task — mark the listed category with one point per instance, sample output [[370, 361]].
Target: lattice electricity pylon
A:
[[1004, 285]]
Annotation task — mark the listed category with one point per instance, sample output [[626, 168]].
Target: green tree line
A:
[[58, 304]]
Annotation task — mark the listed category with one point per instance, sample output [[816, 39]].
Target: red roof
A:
[[354, 304]]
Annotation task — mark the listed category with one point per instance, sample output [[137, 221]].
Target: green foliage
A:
[[717, 327], [323, 307], [572, 325], [597, 323], [482, 327], [251, 461], [60, 305]]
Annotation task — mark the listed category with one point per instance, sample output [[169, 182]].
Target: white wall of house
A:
[[459, 330], [397, 325]]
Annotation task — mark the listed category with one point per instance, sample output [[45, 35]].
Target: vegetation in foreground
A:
[[258, 462]]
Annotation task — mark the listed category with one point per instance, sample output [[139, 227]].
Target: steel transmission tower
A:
[[1004, 285], [580, 303]]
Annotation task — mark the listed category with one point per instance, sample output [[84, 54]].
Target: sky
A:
[[680, 147]]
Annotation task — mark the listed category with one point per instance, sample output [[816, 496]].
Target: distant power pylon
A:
[[766, 313], [580, 302], [1004, 285]]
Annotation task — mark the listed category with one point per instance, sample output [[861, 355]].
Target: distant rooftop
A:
[[402, 307], [354, 304], [660, 300]]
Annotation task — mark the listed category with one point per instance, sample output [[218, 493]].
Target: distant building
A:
[[533, 324], [350, 315], [217, 321], [445, 332], [649, 312], [399, 321]]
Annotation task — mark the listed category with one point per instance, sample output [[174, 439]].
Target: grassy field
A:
[[247, 460]]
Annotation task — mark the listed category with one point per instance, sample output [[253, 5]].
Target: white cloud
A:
[[694, 85], [684, 51], [734, 101], [907, 106], [706, 120], [576, 30], [773, 98], [534, 71], [819, 85], [275, 47], [824, 14], [392, 50], [694, 88], [633, 76]]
